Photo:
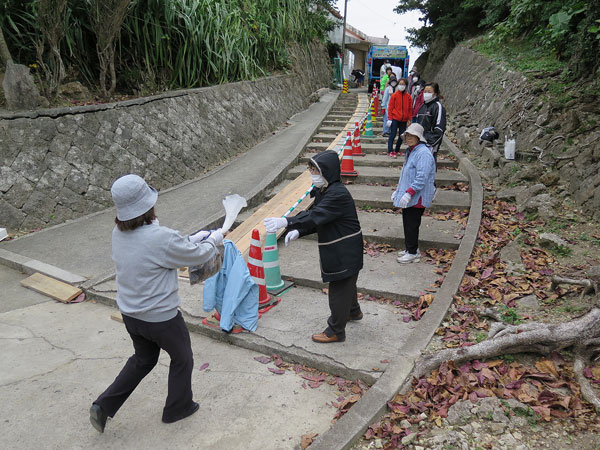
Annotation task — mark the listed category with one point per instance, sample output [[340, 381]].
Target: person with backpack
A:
[[432, 117], [399, 115], [389, 91]]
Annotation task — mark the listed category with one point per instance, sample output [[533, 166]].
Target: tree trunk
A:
[[4, 52]]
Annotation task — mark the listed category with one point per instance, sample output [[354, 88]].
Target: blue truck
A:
[[397, 55]]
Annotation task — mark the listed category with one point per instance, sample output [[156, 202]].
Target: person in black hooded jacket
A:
[[333, 217], [432, 116]]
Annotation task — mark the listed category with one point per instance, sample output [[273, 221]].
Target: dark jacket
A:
[[333, 217], [432, 116]]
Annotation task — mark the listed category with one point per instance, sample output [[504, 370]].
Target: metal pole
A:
[[344, 39]]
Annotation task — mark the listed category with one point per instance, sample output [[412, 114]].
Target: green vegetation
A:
[[533, 35], [510, 315], [160, 44]]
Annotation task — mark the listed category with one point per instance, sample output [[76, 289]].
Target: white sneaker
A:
[[401, 252], [407, 258]]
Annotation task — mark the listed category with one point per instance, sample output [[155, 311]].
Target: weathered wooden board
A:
[[51, 287], [117, 317]]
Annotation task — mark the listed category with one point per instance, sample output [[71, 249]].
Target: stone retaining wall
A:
[[480, 93], [59, 164]]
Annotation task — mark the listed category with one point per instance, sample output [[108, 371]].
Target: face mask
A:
[[402, 87], [393, 84], [427, 96], [318, 180], [415, 79]]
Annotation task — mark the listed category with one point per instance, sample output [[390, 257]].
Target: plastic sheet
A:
[[233, 204]]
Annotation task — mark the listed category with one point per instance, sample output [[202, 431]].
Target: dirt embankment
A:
[[557, 136]]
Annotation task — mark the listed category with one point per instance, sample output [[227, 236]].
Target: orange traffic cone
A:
[[347, 160], [356, 147], [257, 272]]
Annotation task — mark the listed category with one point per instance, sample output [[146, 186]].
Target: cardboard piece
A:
[[117, 317], [51, 287]]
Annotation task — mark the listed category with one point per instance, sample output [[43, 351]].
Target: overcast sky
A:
[[377, 18]]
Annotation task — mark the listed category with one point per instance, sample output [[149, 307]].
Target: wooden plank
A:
[[51, 287], [117, 317]]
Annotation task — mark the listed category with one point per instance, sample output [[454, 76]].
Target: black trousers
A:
[[343, 303], [148, 338], [396, 128], [411, 220]]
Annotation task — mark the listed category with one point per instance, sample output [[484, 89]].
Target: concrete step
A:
[[387, 175], [302, 312], [381, 276], [341, 117], [329, 137], [366, 145], [376, 160], [386, 228], [380, 197]]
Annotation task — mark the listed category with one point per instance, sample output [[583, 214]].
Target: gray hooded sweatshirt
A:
[[147, 259]]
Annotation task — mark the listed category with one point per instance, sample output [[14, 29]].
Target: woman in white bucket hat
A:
[[147, 257], [415, 190]]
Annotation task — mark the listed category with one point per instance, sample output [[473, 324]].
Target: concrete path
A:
[[83, 246], [57, 358]]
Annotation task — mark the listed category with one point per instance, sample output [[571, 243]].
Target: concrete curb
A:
[[30, 266], [373, 404]]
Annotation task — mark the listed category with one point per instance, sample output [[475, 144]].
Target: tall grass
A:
[[178, 43]]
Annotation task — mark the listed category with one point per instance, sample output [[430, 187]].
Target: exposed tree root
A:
[[589, 286], [581, 333]]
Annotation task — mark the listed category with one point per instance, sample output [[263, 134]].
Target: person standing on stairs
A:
[[432, 116], [333, 217], [399, 116], [389, 90], [415, 190]]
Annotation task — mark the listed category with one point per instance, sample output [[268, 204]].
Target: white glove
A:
[[216, 237], [388, 123], [291, 236], [155, 221], [199, 236], [394, 196], [403, 203], [272, 224]]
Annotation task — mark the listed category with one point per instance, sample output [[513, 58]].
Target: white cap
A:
[[416, 130], [132, 197]]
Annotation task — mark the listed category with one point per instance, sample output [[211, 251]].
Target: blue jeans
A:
[[386, 129], [397, 127]]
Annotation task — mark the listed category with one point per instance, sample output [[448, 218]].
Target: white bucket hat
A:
[[416, 130], [132, 197]]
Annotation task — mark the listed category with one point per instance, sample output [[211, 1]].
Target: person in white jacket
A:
[[389, 90]]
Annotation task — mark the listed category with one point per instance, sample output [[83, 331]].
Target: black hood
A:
[[328, 163]]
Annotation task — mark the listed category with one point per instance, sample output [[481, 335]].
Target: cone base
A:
[[358, 154], [274, 301], [278, 290], [349, 174]]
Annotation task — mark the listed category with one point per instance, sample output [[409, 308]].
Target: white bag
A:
[[509, 148]]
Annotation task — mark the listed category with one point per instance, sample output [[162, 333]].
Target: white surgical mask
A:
[[415, 79], [393, 83], [318, 180], [427, 96], [402, 87]]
